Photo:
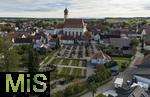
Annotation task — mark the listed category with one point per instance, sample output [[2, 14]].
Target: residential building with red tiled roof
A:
[[100, 58]]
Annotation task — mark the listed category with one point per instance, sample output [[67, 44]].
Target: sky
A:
[[77, 8]]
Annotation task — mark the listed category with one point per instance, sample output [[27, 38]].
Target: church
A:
[[71, 31], [73, 27]]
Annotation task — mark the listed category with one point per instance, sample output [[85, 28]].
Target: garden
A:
[[72, 72], [123, 62]]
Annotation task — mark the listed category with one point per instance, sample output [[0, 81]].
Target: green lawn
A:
[[65, 71], [84, 63], [121, 60], [77, 72], [75, 62], [55, 61], [65, 62]]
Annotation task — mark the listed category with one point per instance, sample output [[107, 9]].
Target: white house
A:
[[100, 58], [118, 82], [51, 31]]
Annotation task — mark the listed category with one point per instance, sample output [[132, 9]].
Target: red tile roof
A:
[[101, 55], [59, 26], [19, 34], [74, 23]]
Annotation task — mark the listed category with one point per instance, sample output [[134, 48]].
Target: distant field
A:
[[148, 21], [117, 20]]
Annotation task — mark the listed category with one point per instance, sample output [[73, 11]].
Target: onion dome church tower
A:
[[65, 14]]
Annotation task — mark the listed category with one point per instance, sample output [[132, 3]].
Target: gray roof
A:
[[132, 92], [142, 72], [138, 92], [120, 42]]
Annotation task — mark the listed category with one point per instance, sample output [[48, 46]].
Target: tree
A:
[[11, 60], [100, 95], [102, 73], [58, 94], [110, 64], [135, 42], [33, 61], [1, 44], [88, 36], [144, 22], [93, 88]]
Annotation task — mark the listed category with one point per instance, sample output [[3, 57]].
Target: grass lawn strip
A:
[[76, 72], [65, 71], [75, 62], [55, 61], [65, 62]]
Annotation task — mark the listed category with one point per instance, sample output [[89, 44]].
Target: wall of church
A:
[[73, 31]]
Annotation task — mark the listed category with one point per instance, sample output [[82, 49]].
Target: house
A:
[[23, 41], [118, 82], [135, 91], [56, 29], [51, 31], [21, 38], [146, 42], [40, 38], [121, 45], [53, 41], [100, 58], [42, 48], [142, 74], [97, 38], [67, 40], [146, 37]]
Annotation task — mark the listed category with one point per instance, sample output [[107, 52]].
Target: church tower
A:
[[65, 14]]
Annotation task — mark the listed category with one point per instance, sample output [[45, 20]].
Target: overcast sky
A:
[[77, 8]]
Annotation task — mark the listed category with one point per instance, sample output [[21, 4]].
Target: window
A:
[[76, 33], [80, 33], [65, 32]]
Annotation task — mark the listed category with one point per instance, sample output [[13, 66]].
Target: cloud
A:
[[77, 8]]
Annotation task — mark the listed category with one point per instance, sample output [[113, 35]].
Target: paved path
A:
[[44, 60], [80, 64], [70, 51], [76, 52], [138, 57]]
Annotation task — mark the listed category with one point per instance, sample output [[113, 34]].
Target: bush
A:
[[74, 89], [100, 95], [58, 94]]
